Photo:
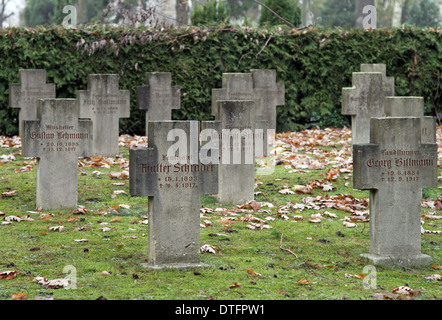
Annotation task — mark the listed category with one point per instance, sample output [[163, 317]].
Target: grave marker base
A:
[[419, 260], [174, 266]]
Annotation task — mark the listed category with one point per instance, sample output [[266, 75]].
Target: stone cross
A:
[[24, 95], [271, 94], [57, 139], [104, 104], [365, 100], [159, 97], [235, 131], [387, 82], [412, 107], [395, 166], [259, 86], [171, 174]]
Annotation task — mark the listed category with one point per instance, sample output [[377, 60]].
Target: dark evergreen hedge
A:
[[314, 65]]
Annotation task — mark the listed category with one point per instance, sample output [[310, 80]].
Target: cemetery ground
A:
[[301, 239]]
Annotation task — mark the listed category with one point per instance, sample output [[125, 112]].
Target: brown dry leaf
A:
[[304, 281], [388, 296], [253, 273], [437, 276], [118, 219], [234, 285], [46, 216], [304, 190], [8, 275], [435, 266], [9, 193], [119, 175], [71, 219], [19, 296], [80, 210]]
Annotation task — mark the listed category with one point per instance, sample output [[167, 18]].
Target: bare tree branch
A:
[[3, 17], [277, 15]]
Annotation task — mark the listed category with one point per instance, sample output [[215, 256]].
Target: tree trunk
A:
[[182, 12], [397, 13], [82, 17]]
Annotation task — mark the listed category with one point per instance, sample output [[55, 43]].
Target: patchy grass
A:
[[293, 259]]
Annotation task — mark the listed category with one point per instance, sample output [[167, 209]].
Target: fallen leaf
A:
[[19, 296], [8, 275], [57, 228], [253, 273], [207, 248], [304, 281], [234, 285], [9, 193]]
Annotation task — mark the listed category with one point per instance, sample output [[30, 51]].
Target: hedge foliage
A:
[[314, 65]]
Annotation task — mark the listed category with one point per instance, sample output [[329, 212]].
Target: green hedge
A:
[[314, 65]]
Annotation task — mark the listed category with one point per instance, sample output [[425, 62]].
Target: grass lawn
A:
[[270, 249]]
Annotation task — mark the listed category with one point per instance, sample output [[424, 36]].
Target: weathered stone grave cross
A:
[[171, 174], [395, 166], [159, 97], [259, 86], [57, 139], [24, 95], [412, 107], [365, 99], [235, 130], [104, 104]]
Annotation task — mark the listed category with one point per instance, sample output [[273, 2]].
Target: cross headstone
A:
[[271, 94], [171, 174], [412, 107], [57, 139], [259, 86], [104, 104], [387, 82], [365, 99], [395, 166], [159, 97], [235, 129], [24, 95]]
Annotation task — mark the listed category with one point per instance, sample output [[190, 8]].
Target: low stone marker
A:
[[159, 97], [24, 95], [104, 104], [235, 129], [412, 107], [365, 99], [57, 139], [170, 173], [395, 166]]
